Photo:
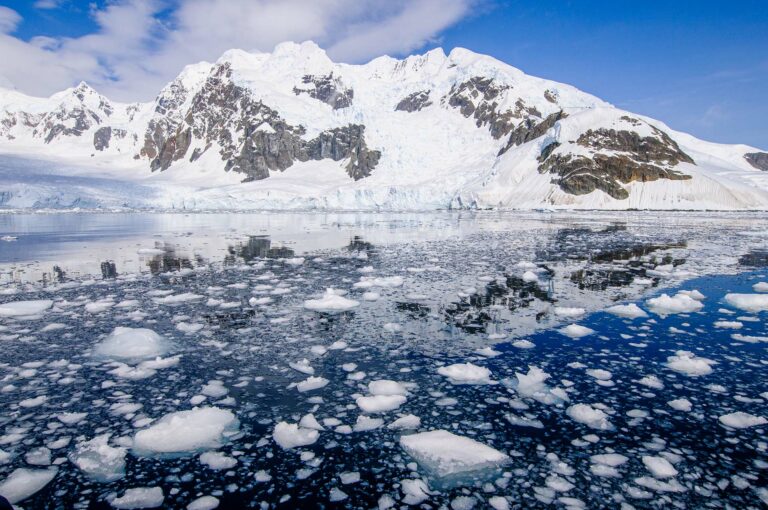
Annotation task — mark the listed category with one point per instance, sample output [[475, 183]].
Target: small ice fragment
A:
[[741, 420], [466, 373], [132, 344], [204, 503], [186, 432], [386, 387], [312, 383], [380, 403], [289, 435], [217, 461], [576, 331], [23, 483], [667, 305], [98, 460], [589, 416], [444, 454], [407, 422], [680, 404], [689, 364], [630, 311], [25, 308], [748, 302], [659, 466], [140, 497], [569, 312], [331, 302]]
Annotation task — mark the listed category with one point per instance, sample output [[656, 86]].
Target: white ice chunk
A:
[[680, 404], [407, 422], [667, 305], [331, 302], [630, 311], [659, 466], [132, 344], [289, 435], [589, 416], [25, 308], [445, 454], [186, 432], [380, 403], [741, 420], [218, 461], [576, 331], [312, 383], [386, 387], [98, 460], [23, 483], [466, 373], [140, 497], [204, 503], [748, 302], [689, 364]]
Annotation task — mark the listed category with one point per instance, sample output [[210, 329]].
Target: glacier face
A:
[[293, 130]]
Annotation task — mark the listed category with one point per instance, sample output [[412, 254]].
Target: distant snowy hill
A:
[[293, 130]]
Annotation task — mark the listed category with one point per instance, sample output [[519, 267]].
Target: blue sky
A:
[[701, 67]]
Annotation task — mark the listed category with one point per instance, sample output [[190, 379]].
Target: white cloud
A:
[[139, 47], [47, 4], [9, 19]]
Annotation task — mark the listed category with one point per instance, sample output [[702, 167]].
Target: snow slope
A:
[[293, 130]]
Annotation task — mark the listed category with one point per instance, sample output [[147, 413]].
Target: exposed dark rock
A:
[[644, 159], [758, 160], [101, 138], [529, 130], [476, 98], [551, 96], [414, 102], [327, 89], [252, 138]]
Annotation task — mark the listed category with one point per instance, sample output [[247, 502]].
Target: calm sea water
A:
[[432, 290]]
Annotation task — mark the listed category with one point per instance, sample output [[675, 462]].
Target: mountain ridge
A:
[[291, 129]]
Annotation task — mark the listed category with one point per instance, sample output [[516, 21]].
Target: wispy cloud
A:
[[142, 44]]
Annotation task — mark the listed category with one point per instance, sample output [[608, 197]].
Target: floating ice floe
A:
[[748, 302], [98, 460], [728, 324], [531, 385], [689, 364], [217, 461], [366, 282], [524, 421], [605, 464], [651, 381], [386, 387], [530, 277], [741, 420], [488, 352], [25, 309], [380, 403], [177, 299], [466, 373], [139, 497], [523, 344], [331, 302], [132, 344], [407, 422], [668, 305], [290, 435], [681, 404], [184, 432], [576, 331], [760, 287], [312, 383], [750, 339], [450, 457], [630, 311], [204, 503], [659, 466], [589, 416], [23, 483], [569, 312]]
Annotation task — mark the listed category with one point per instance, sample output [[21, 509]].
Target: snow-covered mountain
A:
[[293, 130]]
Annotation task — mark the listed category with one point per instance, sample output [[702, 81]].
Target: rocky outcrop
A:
[[758, 160], [529, 130], [478, 98], [252, 138], [414, 102], [327, 89], [629, 158]]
